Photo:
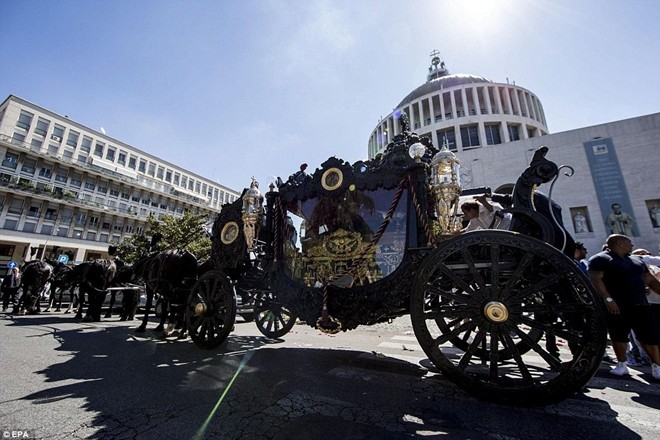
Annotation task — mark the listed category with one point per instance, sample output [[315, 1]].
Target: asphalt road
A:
[[64, 379]]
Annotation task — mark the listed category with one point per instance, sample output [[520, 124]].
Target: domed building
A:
[[609, 184], [466, 111]]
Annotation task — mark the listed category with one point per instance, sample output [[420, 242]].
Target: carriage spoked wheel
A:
[[488, 307], [273, 319], [211, 310]]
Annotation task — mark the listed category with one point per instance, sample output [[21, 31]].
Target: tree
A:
[[186, 233]]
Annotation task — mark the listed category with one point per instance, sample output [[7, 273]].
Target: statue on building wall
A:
[[620, 222], [580, 223]]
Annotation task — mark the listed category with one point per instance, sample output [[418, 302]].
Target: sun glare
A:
[[476, 16]]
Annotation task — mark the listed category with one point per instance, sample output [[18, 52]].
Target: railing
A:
[[142, 181]]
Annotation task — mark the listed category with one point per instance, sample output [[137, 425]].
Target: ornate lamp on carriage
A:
[[446, 188], [253, 202]]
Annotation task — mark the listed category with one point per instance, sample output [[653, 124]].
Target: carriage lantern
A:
[[446, 187], [253, 202]]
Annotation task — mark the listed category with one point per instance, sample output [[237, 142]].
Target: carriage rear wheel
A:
[[273, 319], [510, 300], [211, 310]]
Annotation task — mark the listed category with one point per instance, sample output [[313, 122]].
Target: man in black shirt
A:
[[621, 281]]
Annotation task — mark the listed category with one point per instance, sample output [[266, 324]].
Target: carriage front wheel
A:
[[273, 319], [531, 327], [211, 310]]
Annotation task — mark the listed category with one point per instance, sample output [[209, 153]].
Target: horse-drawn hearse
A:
[[363, 243]]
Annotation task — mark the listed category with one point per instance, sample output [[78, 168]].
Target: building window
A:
[[42, 126], [531, 132], [24, 120], [102, 189], [72, 140], [98, 149], [86, 145], [160, 173], [33, 211], [77, 233], [10, 224], [110, 154], [176, 178], [28, 166], [125, 196], [143, 166], [129, 229], [191, 184], [121, 158], [184, 181], [493, 134], [470, 136], [10, 160], [51, 214], [168, 176], [448, 135], [60, 178], [105, 226], [76, 182], [152, 169], [62, 231], [131, 162], [46, 172], [29, 227], [94, 221], [17, 139], [36, 144], [91, 236], [58, 133], [514, 133], [89, 185]]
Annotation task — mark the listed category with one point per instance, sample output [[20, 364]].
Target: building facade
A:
[[63, 184], [494, 129]]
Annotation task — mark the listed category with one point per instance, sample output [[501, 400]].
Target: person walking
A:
[[580, 257], [621, 280], [10, 285]]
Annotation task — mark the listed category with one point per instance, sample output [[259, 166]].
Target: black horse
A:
[[170, 273], [35, 276], [58, 285], [93, 279], [125, 277]]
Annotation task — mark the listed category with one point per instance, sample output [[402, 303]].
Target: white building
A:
[[64, 184], [494, 129]]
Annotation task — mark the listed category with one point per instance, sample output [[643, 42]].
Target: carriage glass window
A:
[[336, 238]]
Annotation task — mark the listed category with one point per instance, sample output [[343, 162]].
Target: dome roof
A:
[[443, 82]]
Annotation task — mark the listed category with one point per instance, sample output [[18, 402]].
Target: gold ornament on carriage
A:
[[253, 202], [446, 189]]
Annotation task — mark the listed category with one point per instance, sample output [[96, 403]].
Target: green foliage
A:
[[170, 232]]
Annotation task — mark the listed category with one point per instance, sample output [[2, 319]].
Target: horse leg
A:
[[81, 304], [113, 296], [59, 302], [150, 298], [163, 316], [51, 298]]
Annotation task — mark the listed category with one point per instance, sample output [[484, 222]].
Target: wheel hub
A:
[[200, 309], [496, 312]]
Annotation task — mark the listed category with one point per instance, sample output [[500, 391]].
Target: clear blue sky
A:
[[235, 88]]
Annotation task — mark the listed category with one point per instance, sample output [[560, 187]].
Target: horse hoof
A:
[[47, 310], [123, 318], [58, 310]]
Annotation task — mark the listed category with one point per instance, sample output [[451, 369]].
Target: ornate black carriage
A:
[[363, 243]]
